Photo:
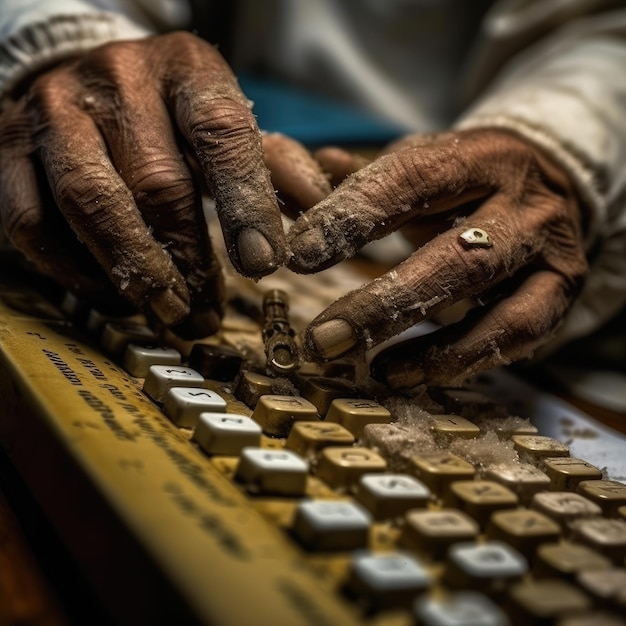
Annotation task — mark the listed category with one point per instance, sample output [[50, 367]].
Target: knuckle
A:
[[23, 226], [162, 183]]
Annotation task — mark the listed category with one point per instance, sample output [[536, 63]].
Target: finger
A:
[[144, 150], [339, 163], [101, 210], [381, 197], [513, 329], [216, 120], [41, 236], [296, 175], [442, 272]]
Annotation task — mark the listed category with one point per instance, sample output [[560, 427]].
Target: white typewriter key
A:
[[161, 378], [386, 580], [138, 359], [471, 565], [279, 472], [117, 335], [226, 433], [183, 405], [391, 495], [331, 525], [466, 608]]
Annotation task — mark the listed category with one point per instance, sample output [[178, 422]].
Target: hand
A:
[[526, 271], [92, 166]]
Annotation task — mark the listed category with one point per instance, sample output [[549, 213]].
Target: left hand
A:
[[467, 183]]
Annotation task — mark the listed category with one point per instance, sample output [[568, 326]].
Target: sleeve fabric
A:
[[567, 94], [37, 33]]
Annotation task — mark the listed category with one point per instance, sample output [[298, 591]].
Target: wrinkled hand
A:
[[92, 166], [526, 275]]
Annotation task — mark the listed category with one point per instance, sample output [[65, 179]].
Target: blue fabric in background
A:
[[312, 119]]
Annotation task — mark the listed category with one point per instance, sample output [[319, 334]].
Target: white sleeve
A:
[[567, 94], [37, 33]]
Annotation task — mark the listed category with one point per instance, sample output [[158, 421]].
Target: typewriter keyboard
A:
[[193, 486]]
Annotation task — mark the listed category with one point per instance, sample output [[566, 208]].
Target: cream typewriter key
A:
[[161, 378], [276, 414], [331, 525], [386, 580], [390, 495], [489, 566], [278, 472], [226, 433], [355, 414], [183, 405], [465, 608], [138, 359], [117, 335]]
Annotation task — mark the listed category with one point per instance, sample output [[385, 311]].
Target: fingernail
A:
[[403, 375], [333, 338], [310, 250], [256, 255], [169, 307]]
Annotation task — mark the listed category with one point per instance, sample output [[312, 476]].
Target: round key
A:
[[226, 434], [386, 580], [161, 378], [278, 472], [565, 560], [331, 525], [183, 405]]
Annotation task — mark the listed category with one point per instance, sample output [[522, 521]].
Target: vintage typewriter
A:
[[224, 482]]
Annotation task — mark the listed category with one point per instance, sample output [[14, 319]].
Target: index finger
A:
[[384, 195], [217, 121]]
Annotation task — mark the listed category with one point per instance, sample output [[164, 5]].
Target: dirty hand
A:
[[510, 234], [95, 177]]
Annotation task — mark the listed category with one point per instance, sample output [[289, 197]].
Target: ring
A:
[[475, 238]]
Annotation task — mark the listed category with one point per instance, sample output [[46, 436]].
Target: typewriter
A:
[[225, 482]]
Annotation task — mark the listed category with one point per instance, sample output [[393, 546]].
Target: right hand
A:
[[94, 177]]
